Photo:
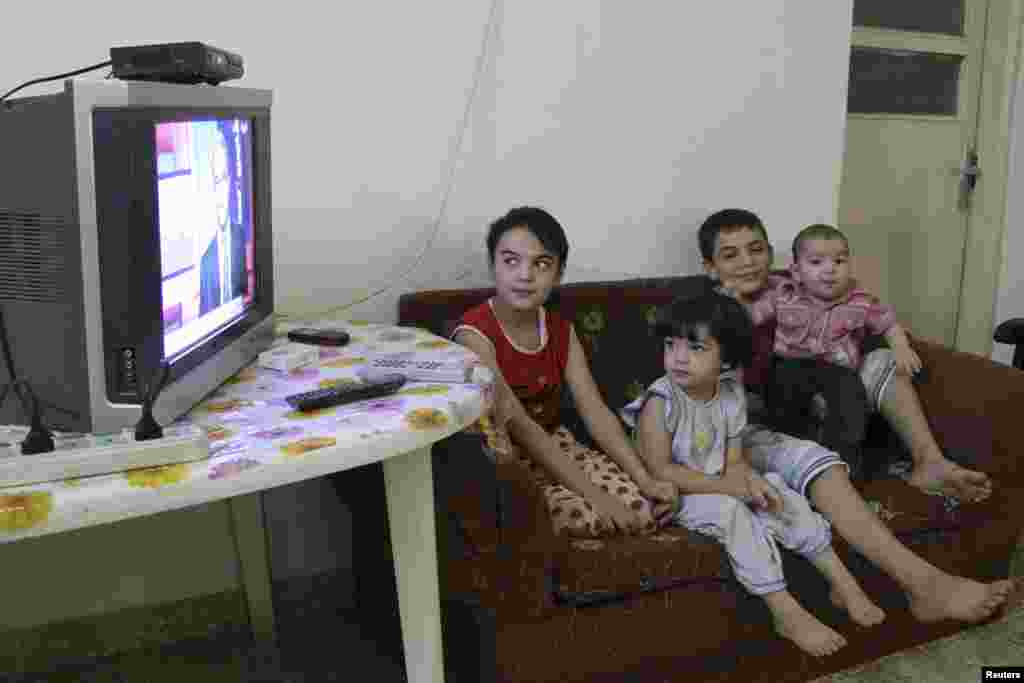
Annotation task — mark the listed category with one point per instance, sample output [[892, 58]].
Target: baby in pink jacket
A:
[[822, 321]]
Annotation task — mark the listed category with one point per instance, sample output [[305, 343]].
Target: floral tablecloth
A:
[[257, 441]]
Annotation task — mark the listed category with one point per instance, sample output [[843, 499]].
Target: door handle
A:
[[970, 171]]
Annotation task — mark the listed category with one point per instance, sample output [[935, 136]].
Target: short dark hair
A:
[[711, 314], [724, 221], [818, 231], [540, 223]]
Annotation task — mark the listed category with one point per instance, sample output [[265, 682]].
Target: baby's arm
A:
[[656, 450], [881, 319], [906, 358]]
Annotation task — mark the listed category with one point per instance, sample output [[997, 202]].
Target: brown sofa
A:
[[522, 604]]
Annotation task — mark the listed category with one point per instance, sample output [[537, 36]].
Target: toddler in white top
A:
[[690, 425]]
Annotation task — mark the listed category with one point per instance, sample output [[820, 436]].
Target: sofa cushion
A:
[[591, 571]]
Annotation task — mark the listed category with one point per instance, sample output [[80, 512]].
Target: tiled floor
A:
[[323, 638], [319, 640]]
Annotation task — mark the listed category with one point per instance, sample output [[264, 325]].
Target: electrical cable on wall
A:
[[47, 79], [481, 63]]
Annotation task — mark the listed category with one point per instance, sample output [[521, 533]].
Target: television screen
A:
[[205, 209]]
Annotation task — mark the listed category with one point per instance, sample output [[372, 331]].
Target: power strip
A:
[[185, 444]]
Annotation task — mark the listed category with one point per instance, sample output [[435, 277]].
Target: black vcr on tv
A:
[[175, 63]]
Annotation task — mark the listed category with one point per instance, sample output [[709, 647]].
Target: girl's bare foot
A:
[[954, 597], [795, 623], [857, 605], [940, 475]]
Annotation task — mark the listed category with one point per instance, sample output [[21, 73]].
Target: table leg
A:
[[410, 492], [254, 563]]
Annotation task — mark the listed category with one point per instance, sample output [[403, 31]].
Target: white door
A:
[[916, 70]]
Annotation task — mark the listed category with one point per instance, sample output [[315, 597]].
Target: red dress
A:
[[535, 377]]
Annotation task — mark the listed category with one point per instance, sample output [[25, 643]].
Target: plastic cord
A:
[[481, 62], [5, 342], [54, 78], [20, 386], [38, 440]]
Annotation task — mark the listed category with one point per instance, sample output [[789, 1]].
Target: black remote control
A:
[[320, 336], [381, 385]]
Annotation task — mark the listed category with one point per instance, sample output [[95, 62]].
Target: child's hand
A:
[[907, 360], [763, 494], [614, 514], [660, 490]]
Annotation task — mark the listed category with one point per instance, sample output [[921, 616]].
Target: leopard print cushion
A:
[[570, 513]]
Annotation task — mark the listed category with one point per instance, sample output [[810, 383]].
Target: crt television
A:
[[135, 231]]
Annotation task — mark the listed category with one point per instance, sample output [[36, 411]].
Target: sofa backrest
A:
[[612, 321]]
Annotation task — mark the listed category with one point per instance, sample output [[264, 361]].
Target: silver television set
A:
[[135, 232]]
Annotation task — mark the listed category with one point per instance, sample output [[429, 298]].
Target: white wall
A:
[[629, 121], [148, 560]]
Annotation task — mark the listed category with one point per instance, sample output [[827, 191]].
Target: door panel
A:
[[903, 82], [905, 228], [926, 16], [912, 120]]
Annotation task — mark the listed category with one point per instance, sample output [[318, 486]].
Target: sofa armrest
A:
[[498, 544], [974, 407], [1010, 331]]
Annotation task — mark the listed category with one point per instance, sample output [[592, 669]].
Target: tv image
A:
[[204, 199], [135, 230]]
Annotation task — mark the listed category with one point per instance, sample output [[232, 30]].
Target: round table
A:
[[258, 442]]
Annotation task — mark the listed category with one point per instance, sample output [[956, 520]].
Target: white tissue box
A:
[[289, 357]]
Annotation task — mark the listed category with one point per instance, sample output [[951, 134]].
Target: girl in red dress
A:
[[534, 351]]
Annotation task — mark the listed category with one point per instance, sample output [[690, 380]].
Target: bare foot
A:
[[954, 597], [946, 477], [857, 605], [795, 623]]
